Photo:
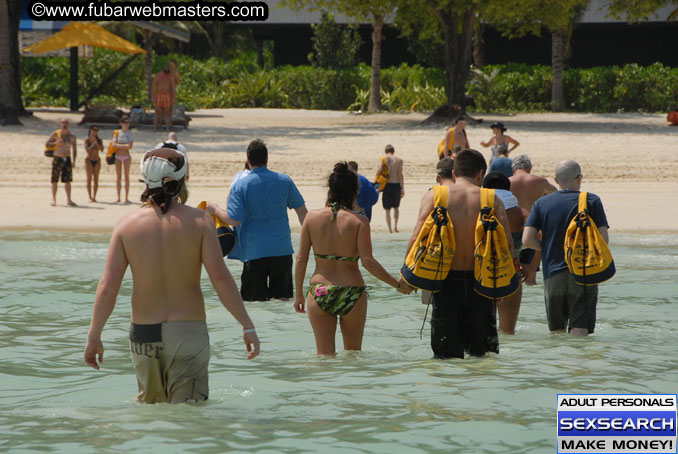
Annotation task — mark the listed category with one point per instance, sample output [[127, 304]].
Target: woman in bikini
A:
[[124, 142], [93, 145], [339, 238], [500, 142]]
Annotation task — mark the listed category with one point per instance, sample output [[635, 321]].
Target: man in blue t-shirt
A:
[[367, 195], [257, 205], [565, 300]]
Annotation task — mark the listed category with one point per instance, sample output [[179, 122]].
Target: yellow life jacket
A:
[[493, 268], [586, 252], [225, 234], [441, 145], [382, 179], [429, 260], [49, 150]]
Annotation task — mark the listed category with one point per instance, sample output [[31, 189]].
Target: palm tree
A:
[[10, 87]]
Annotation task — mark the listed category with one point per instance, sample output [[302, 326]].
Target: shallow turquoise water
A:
[[390, 398]]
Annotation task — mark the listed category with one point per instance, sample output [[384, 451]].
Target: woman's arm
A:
[[367, 260], [300, 267], [512, 141]]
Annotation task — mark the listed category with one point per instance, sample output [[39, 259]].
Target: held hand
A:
[[526, 272], [299, 304], [252, 344], [402, 193], [403, 287], [94, 350]]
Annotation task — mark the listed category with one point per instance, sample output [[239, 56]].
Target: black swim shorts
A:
[[391, 196], [267, 278], [462, 320]]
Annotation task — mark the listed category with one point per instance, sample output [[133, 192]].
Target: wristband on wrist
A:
[[249, 330]]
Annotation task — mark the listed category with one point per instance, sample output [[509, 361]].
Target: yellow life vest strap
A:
[[486, 198], [440, 194], [583, 205]]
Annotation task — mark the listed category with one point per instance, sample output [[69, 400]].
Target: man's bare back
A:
[[395, 168], [166, 279], [528, 188], [463, 205]]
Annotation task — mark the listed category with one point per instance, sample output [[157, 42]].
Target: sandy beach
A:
[[629, 160]]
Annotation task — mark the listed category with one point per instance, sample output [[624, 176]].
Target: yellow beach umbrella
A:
[[84, 33]]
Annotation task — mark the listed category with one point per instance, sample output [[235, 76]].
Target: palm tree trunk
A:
[[375, 81], [10, 92], [558, 38], [458, 53]]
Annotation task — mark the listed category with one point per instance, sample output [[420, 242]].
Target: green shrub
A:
[[214, 83]]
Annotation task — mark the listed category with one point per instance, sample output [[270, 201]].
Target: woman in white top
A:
[[123, 145]]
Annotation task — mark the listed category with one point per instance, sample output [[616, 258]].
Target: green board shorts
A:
[[568, 304], [170, 360]]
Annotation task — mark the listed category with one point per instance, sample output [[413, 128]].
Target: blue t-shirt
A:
[[552, 215], [367, 195], [260, 202]]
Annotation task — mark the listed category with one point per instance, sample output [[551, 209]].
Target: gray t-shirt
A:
[[125, 137]]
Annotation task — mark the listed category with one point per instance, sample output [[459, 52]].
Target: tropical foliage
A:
[[241, 82]]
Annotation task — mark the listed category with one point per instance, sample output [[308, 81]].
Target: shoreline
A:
[[627, 159]]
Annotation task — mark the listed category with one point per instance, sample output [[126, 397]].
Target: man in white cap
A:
[[166, 244]]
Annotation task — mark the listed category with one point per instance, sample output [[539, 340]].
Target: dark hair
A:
[[468, 163], [353, 166], [343, 186], [257, 153], [163, 196], [445, 167], [497, 180], [389, 149], [458, 119], [172, 60], [124, 119]]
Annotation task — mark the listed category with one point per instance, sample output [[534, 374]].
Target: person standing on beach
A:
[[166, 244], [123, 142], [500, 142], [173, 142], [528, 188], [63, 140], [163, 90], [367, 195], [462, 320], [93, 146], [395, 188], [258, 204], [568, 305], [339, 238], [455, 140]]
